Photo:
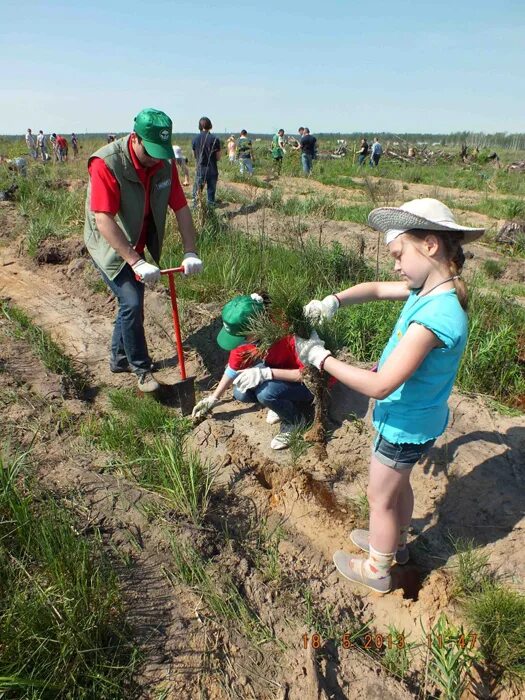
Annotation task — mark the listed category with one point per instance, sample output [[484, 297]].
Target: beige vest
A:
[[131, 213]]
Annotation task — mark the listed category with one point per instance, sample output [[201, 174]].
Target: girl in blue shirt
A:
[[415, 374]]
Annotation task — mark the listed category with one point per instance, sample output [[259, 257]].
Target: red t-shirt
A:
[[61, 141], [105, 190], [281, 355]]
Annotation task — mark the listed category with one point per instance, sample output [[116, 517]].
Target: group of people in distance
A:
[[306, 143], [415, 374], [37, 147], [375, 151]]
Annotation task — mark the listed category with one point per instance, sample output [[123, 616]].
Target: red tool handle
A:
[[175, 312]]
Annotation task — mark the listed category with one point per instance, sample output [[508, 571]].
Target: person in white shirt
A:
[[31, 144], [42, 145], [182, 164]]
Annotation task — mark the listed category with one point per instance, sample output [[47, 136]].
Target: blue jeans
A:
[[246, 163], [210, 180], [374, 160], [128, 344], [281, 397], [361, 159], [402, 455], [307, 161]]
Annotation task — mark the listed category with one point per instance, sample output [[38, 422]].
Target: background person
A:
[[62, 148], [53, 139], [415, 374], [132, 182], [297, 142], [376, 153], [42, 146], [272, 380], [31, 144], [363, 151], [278, 151], [182, 164], [231, 145], [207, 152], [74, 143], [308, 145], [245, 153]]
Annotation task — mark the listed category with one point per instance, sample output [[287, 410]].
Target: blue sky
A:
[[388, 65]]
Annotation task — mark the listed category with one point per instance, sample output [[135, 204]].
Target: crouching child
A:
[[273, 378]]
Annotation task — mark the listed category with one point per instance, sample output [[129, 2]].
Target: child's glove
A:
[[317, 311], [146, 272], [204, 406], [250, 378], [311, 351]]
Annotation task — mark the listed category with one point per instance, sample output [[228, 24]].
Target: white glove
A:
[[317, 311], [250, 378], [145, 272], [311, 351], [191, 263], [204, 406]]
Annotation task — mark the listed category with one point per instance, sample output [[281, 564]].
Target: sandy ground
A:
[[470, 486]]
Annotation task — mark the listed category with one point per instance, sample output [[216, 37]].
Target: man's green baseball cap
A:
[[236, 317], [154, 128]]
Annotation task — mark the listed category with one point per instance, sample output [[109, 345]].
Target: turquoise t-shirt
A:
[[417, 411]]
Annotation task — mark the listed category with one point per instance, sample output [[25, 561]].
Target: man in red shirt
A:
[[274, 380], [62, 148], [132, 181]]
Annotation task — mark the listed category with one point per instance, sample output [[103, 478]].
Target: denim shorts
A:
[[401, 456]]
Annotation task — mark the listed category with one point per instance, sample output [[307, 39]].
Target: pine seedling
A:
[[283, 317]]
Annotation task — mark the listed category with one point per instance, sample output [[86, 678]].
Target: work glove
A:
[[311, 351], [250, 378], [317, 311], [191, 264], [145, 272], [204, 406]]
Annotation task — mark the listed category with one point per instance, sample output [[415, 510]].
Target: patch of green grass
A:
[[449, 658], [251, 180], [357, 213], [240, 264], [493, 268], [43, 346], [472, 570], [366, 329], [498, 208], [490, 363], [180, 475], [498, 616], [62, 625], [398, 654], [146, 440], [496, 613], [297, 445], [217, 590], [263, 546], [360, 508]]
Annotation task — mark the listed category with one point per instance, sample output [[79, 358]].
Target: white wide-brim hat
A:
[[425, 213]]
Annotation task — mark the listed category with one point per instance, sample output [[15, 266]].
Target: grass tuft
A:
[[61, 615]]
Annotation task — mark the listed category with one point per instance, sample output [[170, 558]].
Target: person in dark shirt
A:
[[308, 146], [207, 152], [363, 151], [245, 153]]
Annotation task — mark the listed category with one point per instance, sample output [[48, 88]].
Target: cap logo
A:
[[164, 134]]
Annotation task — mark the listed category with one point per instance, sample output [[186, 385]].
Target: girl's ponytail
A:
[[456, 257]]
